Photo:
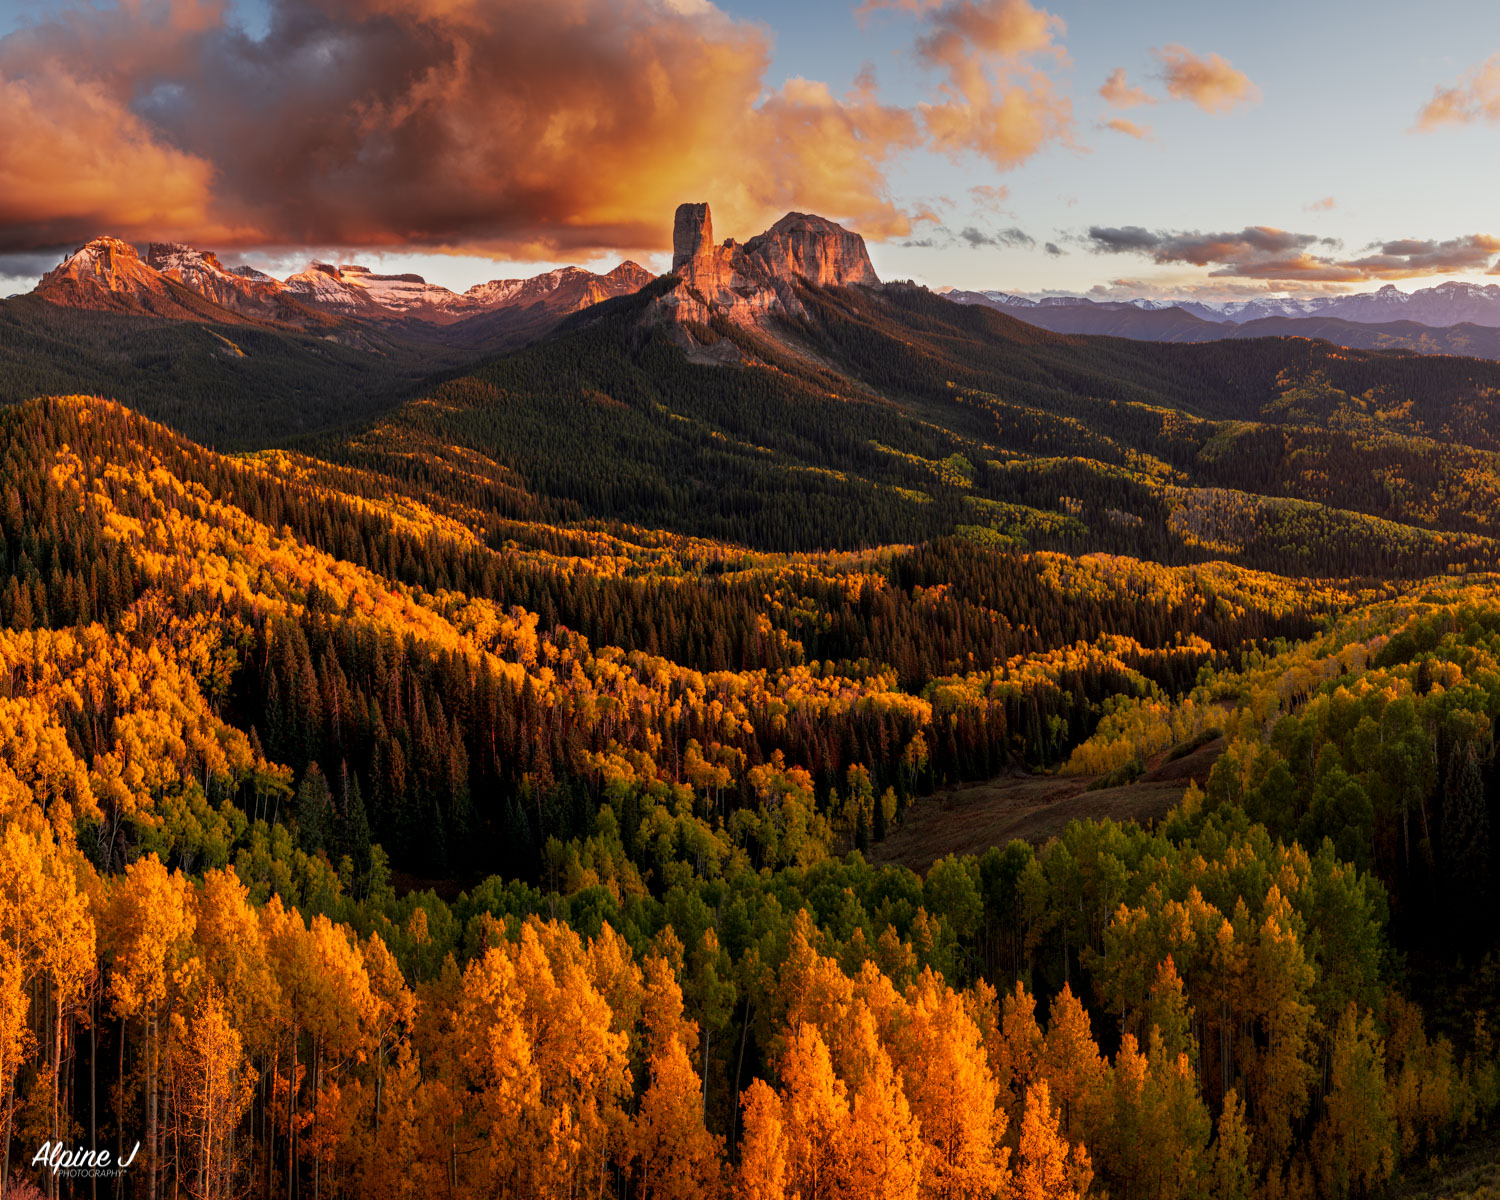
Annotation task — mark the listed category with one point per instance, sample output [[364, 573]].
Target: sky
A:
[[1160, 147]]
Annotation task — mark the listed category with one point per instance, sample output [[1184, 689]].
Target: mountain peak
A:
[[175, 280], [101, 271], [759, 279], [104, 259], [174, 256], [815, 249]]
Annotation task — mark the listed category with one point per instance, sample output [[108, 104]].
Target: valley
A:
[[758, 655]]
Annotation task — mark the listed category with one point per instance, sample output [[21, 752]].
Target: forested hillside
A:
[[898, 416], [479, 799], [229, 385]]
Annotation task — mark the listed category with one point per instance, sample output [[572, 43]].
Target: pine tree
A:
[[312, 810], [1466, 838]]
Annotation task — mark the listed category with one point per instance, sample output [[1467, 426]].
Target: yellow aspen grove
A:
[[595, 777]]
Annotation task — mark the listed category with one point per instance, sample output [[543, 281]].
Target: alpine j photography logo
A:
[[78, 1163]]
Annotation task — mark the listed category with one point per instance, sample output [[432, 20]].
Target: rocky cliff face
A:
[[109, 274], [105, 270], [746, 284], [244, 291], [815, 249]]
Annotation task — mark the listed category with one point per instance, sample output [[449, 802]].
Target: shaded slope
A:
[[226, 384], [893, 415]]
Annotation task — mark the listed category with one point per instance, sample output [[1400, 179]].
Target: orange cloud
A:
[[75, 158], [506, 127], [1211, 83], [1326, 204], [1476, 98], [995, 101], [1129, 128], [1118, 93]]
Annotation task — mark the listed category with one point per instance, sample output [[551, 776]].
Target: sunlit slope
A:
[[462, 663]]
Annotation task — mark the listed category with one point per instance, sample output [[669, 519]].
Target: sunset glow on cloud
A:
[[569, 131], [1475, 98], [1207, 81], [433, 122], [1118, 92]]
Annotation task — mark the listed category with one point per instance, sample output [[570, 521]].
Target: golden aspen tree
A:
[[493, 1065], [1071, 1064], [49, 933], [582, 1063], [812, 989], [1425, 1094], [1177, 1118], [952, 1093], [231, 946], [393, 1013], [1151, 1127], [883, 1149], [615, 975], [764, 1170], [15, 1037], [1121, 1140], [1047, 1168], [148, 929], [1354, 1144], [418, 1113], [1232, 1177], [1168, 1012], [216, 1085], [1279, 1078], [661, 1009], [673, 1156], [814, 1113], [1020, 1048]]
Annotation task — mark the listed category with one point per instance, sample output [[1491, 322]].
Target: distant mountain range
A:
[[358, 307], [185, 283], [231, 352], [1451, 318], [1451, 303]]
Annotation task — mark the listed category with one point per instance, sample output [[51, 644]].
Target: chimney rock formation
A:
[[692, 234], [748, 283]]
